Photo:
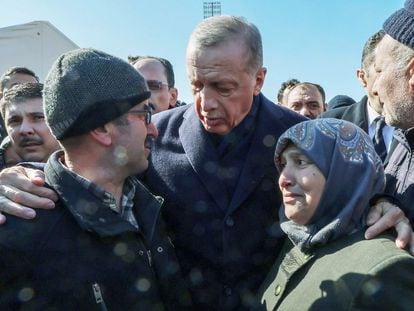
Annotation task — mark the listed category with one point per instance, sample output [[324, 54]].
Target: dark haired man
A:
[[160, 79], [22, 111], [367, 113]]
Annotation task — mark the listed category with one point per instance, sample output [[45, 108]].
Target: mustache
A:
[[149, 141], [29, 141]]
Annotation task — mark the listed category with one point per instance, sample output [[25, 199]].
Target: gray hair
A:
[[216, 30]]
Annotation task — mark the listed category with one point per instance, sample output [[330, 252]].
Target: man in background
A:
[[307, 99], [367, 113], [159, 74], [22, 109]]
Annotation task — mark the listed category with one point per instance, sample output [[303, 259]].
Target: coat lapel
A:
[[257, 163], [360, 114], [202, 157]]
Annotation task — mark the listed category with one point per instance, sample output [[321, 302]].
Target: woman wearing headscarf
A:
[[329, 170]]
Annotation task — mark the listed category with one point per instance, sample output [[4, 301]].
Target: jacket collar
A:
[[196, 144], [90, 213]]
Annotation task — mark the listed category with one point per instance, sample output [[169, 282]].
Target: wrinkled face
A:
[[222, 87], [302, 185], [18, 78], [133, 139], [26, 126], [162, 96], [306, 101], [392, 86]]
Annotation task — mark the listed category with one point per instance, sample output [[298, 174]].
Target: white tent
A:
[[34, 45]]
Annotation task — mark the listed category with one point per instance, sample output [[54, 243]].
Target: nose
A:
[[26, 128], [285, 179], [305, 112], [207, 99], [152, 130], [375, 87]]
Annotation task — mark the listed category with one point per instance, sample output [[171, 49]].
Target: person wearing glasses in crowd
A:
[[104, 246], [160, 79]]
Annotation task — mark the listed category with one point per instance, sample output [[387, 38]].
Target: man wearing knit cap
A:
[[395, 87], [105, 245]]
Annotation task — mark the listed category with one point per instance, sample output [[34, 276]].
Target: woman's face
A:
[[301, 183]]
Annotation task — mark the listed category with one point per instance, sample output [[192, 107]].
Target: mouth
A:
[[29, 144], [210, 121], [290, 197], [148, 142]]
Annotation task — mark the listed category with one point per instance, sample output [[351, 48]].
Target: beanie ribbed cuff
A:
[[97, 115]]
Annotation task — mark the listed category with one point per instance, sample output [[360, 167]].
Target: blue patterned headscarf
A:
[[354, 174]]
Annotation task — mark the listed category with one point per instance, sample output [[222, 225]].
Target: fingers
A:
[[11, 208], [391, 215], [404, 233], [22, 185], [374, 214], [41, 197]]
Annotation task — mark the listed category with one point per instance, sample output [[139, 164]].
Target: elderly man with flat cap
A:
[[104, 246]]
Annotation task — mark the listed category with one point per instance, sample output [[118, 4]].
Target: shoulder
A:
[[28, 235], [336, 113], [174, 116], [347, 111]]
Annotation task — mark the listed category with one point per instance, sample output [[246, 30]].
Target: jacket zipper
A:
[[98, 297]]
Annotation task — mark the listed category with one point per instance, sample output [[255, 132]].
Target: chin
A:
[[34, 158], [219, 130]]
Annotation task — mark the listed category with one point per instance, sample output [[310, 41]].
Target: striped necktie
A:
[[378, 139]]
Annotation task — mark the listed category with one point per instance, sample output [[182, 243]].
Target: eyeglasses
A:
[[147, 111], [156, 85]]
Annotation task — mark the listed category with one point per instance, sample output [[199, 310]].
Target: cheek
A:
[[41, 129]]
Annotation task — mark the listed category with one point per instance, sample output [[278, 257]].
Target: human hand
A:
[[22, 189], [385, 215]]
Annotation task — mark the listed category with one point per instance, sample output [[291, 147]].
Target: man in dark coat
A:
[[368, 110], [105, 244], [213, 164], [395, 87]]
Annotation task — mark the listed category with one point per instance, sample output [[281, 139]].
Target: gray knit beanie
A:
[[400, 25], [86, 88]]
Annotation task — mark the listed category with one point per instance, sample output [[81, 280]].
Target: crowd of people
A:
[[120, 197]]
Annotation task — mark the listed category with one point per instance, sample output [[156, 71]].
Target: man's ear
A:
[[260, 78], [173, 97], [411, 74], [361, 77], [102, 135]]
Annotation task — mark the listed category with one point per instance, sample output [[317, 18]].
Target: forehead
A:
[[17, 78], [384, 48], [26, 106], [291, 151], [224, 58], [308, 93], [151, 69]]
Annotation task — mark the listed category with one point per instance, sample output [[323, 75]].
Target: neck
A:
[[106, 176]]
